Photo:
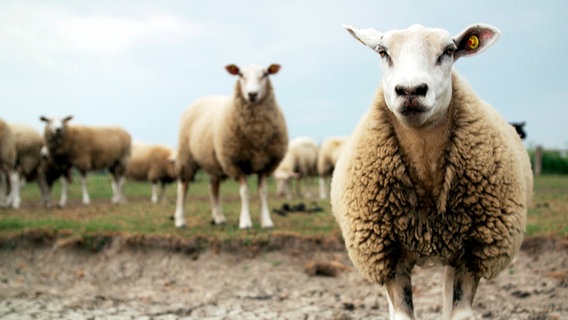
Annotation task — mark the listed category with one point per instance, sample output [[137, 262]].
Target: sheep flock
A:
[[431, 174]]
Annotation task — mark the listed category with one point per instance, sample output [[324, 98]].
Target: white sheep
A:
[[328, 153], [153, 163], [299, 164], [89, 148], [29, 143], [233, 137], [431, 173], [8, 167]]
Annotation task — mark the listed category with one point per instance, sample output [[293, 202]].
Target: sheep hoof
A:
[[181, 226], [214, 222]]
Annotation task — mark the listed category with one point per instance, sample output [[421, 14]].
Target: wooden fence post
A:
[[538, 160]]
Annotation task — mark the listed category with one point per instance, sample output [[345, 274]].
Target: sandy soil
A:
[[121, 282]]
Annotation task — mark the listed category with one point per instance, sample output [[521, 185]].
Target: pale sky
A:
[[138, 64]]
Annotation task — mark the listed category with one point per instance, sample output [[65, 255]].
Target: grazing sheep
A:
[[328, 154], [87, 149], [153, 163], [431, 173], [8, 167], [233, 137], [299, 162]]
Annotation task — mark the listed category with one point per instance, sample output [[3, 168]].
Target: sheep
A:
[[89, 148], [328, 154], [153, 163], [8, 166], [29, 143], [431, 173], [299, 162], [520, 129], [233, 137]]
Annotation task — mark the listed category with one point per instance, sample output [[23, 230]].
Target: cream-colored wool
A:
[[474, 206], [231, 137], [299, 163], [328, 154], [7, 166], [89, 148], [153, 163]]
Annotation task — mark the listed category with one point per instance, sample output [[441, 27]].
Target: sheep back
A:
[[479, 214], [328, 154], [28, 143], [93, 148], [151, 163], [250, 138], [195, 142], [7, 148]]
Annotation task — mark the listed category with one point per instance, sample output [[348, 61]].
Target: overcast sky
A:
[[138, 64]]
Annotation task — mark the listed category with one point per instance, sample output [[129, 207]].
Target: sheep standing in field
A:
[[233, 137], [8, 167], [89, 148], [299, 163], [29, 144], [328, 154], [153, 163], [431, 173]]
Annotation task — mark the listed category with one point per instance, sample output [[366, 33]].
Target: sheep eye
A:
[[450, 50]]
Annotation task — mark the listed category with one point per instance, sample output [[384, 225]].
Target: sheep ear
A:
[[475, 39], [44, 119], [232, 69], [273, 68], [369, 37], [67, 118]]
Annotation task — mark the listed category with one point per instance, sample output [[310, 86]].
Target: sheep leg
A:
[[3, 189], [154, 197], [265, 220], [244, 219], [63, 198], [180, 203], [459, 290], [43, 188], [86, 198], [216, 211], [117, 189], [399, 293], [14, 196], [322, 187]]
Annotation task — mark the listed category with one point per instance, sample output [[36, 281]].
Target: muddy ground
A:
[[120, 281]]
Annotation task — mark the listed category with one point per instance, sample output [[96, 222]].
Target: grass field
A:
[[548, 215]]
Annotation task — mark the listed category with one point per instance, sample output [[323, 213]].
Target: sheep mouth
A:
[[412, 110]]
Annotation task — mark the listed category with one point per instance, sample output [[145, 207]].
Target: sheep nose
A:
[[252, 96], [419, 90]]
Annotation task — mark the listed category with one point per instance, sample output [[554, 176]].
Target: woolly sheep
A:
[[299, 162], [29, 142], [153, 163], [328, 154], [431, 173], [233, 137], [89, 148], [8, 166]]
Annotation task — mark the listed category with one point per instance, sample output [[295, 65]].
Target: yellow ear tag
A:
[[473, 42]]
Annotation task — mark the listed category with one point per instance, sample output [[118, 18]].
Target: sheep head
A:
[[55, 128], [253, 80], [417, 66]]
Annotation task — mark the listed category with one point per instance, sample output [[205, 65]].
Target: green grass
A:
[[140, 217], [548, 214]]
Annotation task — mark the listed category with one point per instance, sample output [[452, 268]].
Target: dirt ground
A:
[[122, 282]]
